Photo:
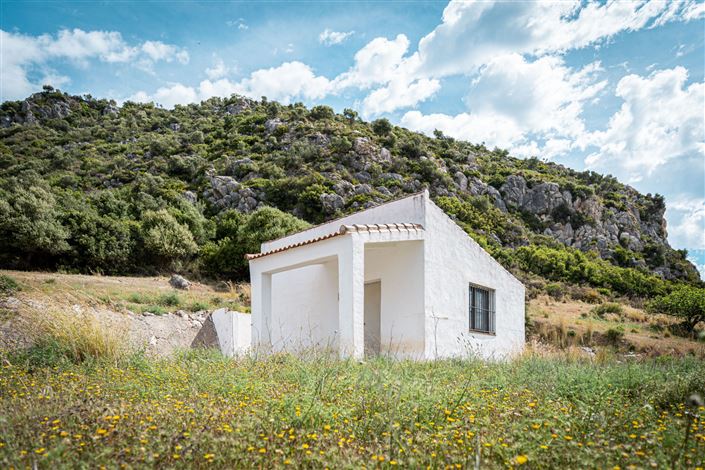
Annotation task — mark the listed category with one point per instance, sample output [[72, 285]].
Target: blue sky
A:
[[617, 87]]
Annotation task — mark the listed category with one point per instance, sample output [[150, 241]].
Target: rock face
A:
[[585, 222]]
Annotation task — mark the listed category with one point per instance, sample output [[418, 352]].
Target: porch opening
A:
[[373, 310]]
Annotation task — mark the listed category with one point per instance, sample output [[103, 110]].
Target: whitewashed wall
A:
[[400, 268], [305, 308], [453, 262]]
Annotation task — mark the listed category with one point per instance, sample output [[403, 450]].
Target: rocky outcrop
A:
[[227, 193], [585, 223]]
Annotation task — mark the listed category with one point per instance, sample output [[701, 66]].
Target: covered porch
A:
[[358, 291]]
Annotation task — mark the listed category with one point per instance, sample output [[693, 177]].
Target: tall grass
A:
[[76, 337]]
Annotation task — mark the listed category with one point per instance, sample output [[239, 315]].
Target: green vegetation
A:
[[201, 409], [686, 302], [238, 234], [607, 307], [8, 285]]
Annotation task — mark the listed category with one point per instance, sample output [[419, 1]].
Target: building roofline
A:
[[343, 230], [337, 219]]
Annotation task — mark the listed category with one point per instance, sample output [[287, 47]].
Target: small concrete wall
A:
[[233, 330]]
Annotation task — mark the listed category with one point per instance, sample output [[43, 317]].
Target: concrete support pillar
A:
[[351, 297], [262, 309]]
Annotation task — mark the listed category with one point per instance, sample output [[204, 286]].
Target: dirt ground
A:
[[158, 318], [643, 332]]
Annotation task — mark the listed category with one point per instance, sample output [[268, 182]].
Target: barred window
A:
[[482, 310]]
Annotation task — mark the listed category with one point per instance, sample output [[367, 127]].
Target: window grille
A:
[[482, 313]]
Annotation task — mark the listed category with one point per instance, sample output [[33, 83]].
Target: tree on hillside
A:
[[686, 303], [240, 234], [166, 241], [29, 224]]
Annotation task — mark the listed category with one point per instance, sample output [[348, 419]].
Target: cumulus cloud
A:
[[399, 94], [219, 69], [661, 119], [378, 62], [468, 34], [330, 38], [511, 98], [687, 221], [157, 50], [21, 55], [289, 81]]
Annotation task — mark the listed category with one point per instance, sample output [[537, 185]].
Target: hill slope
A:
[[86, 185]]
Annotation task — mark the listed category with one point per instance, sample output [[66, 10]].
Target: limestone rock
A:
[[332, 203], [179, 282]]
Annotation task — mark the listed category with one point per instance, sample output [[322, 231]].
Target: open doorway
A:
[[373, 308]]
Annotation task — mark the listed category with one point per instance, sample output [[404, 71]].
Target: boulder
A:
[[332, 203], [344, 188], [461, 180], [363, 189], [179, 282], [514, 190], [271, 125]]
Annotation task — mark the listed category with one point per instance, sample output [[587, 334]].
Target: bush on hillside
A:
[[166, 241], [240, 234], [8, 285], [608, 307], [686, 303]]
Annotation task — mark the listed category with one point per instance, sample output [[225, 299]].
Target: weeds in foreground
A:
[[200, 409]]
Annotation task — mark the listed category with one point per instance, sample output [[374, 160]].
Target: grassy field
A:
[[202, 410]]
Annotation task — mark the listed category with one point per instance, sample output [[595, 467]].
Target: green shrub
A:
[[607, 307], [198, 306], [381, 126], [171, 299], [614, 336], [242, 235], [8, 285], [166, 241], [686, 303], [555, 290]]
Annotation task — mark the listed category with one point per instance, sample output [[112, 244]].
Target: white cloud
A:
[[511, 98], [694, 11], [376, 63], [329, 37], [219, 69], [491, 128], [168, 96], [468, 35], [157, 50], [399, 94], [661, 119], [687, 217], [22, 54], [239, 24], [289, 81], [284, 83]]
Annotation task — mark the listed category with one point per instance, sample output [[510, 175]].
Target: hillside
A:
[[87, 186]]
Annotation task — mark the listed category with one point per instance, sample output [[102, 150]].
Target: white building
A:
[[401, 279]]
